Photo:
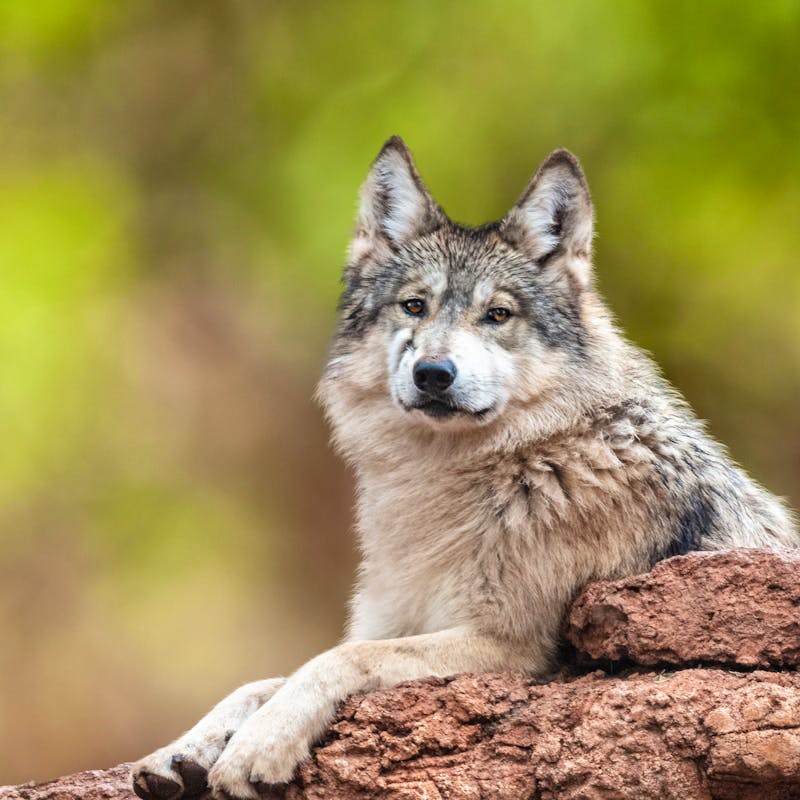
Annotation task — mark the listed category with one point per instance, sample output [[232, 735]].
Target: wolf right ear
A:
[[395, 205], [554, 216]]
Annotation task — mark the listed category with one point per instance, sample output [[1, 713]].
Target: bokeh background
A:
[[177, 187]]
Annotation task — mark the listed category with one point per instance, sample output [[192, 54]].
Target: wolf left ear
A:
[[554, 220], [395, 205]]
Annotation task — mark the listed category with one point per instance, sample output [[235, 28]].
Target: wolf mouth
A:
[[439, 409]]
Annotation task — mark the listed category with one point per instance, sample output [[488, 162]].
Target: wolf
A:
[[508, 445]]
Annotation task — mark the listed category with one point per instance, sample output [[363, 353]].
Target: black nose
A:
[[434, 377]]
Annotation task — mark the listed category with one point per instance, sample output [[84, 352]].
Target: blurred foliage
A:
[[177, 185]]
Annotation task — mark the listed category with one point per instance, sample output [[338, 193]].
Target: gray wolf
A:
[[509, 445]]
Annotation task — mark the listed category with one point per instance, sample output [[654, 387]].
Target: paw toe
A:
[[267, 790], [223, 794], [150, 786], [194, 775]]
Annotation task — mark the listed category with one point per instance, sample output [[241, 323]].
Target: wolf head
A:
[[448, 327]]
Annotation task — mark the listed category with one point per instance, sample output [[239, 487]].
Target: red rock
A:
[[697, 733], [740, 607], [687, 734]]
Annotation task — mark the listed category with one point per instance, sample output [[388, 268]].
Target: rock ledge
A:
[[727, 731]]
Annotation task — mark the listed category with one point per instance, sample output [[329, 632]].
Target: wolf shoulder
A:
[[662, 460]]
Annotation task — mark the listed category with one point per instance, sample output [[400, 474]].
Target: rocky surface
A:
[[681, 732], [109, 784], [738, 608], [652, 736]]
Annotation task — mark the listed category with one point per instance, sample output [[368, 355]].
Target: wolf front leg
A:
[[268, 747], [181, 769]]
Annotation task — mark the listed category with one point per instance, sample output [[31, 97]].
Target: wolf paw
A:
[[253, 766], [177, 771], [180, 770]]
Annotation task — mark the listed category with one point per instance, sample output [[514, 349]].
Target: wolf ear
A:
[[554, 220], [395, 205]]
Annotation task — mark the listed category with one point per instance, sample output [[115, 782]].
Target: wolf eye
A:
[[497, 315], [415, 307]]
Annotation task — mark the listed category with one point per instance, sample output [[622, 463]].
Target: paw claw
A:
[[194, 775]]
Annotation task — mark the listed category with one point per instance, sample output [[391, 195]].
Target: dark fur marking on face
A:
[[556, 320], [456, 296], [366, 292], [355, 312]]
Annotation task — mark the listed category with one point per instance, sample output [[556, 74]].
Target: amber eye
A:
[[415, 307], [497, 315]]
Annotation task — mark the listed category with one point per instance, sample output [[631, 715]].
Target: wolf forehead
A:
[[460, 268]]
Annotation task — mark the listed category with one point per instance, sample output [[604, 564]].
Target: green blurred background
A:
[[177, 186]]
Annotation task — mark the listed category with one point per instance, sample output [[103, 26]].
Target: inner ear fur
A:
[[395, 205], [554, 216]]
